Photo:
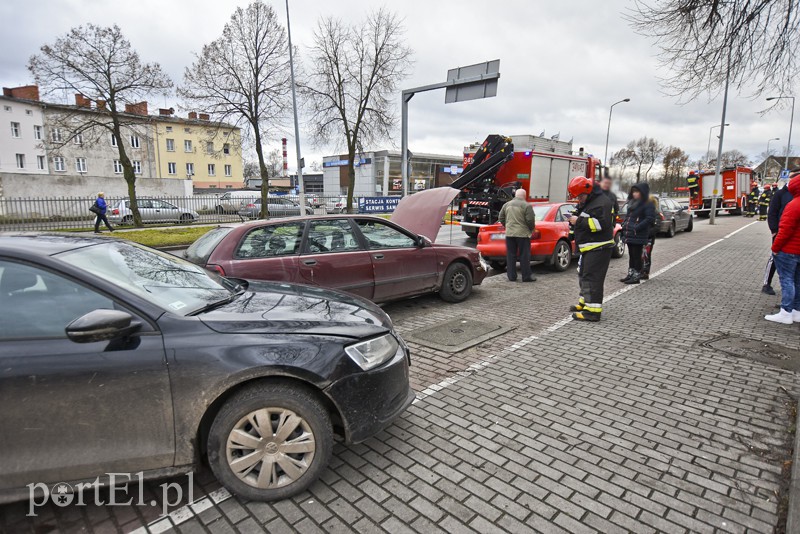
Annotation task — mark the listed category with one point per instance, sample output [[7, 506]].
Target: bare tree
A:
[[733, 158], [242, 78], [622, 159], [698, 39], [676, 163], [644, 152], [353, 81], [101, 65]]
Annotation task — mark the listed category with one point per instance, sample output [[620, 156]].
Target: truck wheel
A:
[[690, 226], [671, 231], [619, 247], [270, 442], [472, 234], [498, 265], [562, 257], [457, 283]]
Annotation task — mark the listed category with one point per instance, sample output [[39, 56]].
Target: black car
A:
[[673, 216], [117, 358]]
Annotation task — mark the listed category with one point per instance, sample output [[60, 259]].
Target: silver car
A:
[[152, 210], [276, 207], [339, 205]]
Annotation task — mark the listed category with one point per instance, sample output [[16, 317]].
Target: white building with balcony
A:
[[22, 149]]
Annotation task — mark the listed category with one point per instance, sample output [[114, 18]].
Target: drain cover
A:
[[456, 335], [757, 350]]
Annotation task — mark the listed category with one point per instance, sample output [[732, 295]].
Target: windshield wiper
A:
[[217, 304]]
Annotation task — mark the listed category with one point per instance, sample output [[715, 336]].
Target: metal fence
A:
[[38, 214]]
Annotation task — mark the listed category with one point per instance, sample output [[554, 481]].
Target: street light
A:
[[608, 131], [708, 150], [301, 189], [766, 162], [791, 120]]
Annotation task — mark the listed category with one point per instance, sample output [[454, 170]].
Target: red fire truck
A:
[[500, 165], [734, 185]]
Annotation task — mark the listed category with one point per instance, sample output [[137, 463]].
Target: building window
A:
[[113, 140], [171, 168], [40, 162], [20, 161], [28, 112], [80, 165], [228, 170], [37, 133], [226, 148], [7, 109], [210, 147], [118, 167], [212, 186], [15, 130], [212, 169], [134, 141], [169, 128], [55, 135], [187, 130], [137, 167], [170, 145], [58, 164], [78, 138], [190, 169], [187, 145], [228, 187]]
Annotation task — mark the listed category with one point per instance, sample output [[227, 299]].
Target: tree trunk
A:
[[262, 168], [351, 179], [128, 173]]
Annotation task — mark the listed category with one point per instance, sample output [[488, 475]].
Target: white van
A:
[[232, 201]]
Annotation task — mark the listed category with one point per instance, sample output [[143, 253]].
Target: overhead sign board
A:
[[480, 88]]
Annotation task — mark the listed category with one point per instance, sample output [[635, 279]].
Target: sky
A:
[[562, 65]]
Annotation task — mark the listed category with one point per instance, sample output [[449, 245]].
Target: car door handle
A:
[[378, 256], [309, 262]]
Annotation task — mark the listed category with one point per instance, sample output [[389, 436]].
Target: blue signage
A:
[[377, 204], [343, 162], [784, 174]]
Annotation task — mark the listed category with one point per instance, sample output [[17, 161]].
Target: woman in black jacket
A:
[[636, 229], [647, 251]]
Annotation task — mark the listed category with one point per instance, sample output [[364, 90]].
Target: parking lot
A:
[[654, 420]]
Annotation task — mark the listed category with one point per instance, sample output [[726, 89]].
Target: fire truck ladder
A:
[[493, 153]]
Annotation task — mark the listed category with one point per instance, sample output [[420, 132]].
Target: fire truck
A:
[[735, 184], [500, 165]]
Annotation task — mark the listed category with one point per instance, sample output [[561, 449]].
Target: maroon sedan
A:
[[365, 255]]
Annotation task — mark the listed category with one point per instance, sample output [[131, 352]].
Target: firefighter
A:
[[752, 201], [763, 203], [594, 238], [693, 184]]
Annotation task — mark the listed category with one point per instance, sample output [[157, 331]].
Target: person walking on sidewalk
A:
[[99, 208], [780, 199], [594, 238], [636, 229], [647, 250], [518, 218], [786, 248]]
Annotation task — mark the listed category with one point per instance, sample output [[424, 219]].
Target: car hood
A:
[[278, 308], [422, 212]]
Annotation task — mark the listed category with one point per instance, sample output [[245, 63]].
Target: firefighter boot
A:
[[578, 307], [590, 317], [634, 279], [625, 280]]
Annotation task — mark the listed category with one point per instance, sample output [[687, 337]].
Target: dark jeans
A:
[[635, 257], [101, 218], [518, 249], [789, 274]]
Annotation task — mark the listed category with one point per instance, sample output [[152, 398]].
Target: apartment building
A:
[[22, 132]]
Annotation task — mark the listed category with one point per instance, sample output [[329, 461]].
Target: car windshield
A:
[[541, 211], [173, 284]]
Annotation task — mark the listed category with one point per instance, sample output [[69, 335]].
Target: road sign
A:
[[784, 174], [483, 84]]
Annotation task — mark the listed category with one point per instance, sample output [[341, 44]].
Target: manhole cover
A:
[[456, 335], [756, 350]]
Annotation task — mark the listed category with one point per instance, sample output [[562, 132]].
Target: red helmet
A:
[[579, 185]]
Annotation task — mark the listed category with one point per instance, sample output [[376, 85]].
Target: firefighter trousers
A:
[[592, 277]]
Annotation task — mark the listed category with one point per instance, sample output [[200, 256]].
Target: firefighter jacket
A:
[[779, 201], [788, 238], [752, 198], [641, 217], [594, 228], [764, 199], [691, 181]]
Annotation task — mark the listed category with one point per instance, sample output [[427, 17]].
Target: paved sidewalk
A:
[[629, 425]]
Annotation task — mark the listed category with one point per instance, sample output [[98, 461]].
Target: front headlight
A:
[[374, 352], [498, 237]]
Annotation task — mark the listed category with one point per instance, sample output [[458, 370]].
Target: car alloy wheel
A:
[[619, 247], [562, 257], [270, 448]]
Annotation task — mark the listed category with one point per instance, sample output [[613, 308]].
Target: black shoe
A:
[[767, 289], [644, 276], [97, 231], [634, 279], [512, 279], [576, 308], [630, 273], [531, 279], [586, 316]]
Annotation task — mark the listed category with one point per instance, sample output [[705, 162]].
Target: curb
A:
[[793, 514]]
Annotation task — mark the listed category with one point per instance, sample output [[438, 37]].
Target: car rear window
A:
[[201, 250]]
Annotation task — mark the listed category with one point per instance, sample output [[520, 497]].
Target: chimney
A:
[[26, 92], [82, 102], [204, 116], [285, 159], [139, 108], [101, 105], [193, 115], [166, 112]]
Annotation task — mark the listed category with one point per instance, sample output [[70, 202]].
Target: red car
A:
[[550, 242], [365, 255]]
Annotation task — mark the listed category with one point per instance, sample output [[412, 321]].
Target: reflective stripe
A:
[[581, 301], [594, 225], [586, 247], [593, 308]]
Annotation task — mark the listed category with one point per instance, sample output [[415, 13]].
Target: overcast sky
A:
[[562, 65]]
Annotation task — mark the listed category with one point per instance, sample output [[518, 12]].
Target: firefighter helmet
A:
[[579, 185]]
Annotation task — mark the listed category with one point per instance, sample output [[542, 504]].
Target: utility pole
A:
[[300, 185], [608, 130], [713, 215]]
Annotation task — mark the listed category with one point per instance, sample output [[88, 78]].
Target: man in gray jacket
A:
[[518, 218]]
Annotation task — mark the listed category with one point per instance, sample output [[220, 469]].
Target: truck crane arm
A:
[[493, 153]]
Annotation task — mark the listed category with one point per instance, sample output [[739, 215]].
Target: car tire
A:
[[690, 226], [457, 283], [471, 235], [562, 257], [498, 265], [127, 220], [186, 218], [619, 246], [292, 472], [671, 231]]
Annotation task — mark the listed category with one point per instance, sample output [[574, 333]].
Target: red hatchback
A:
[[368, 256]]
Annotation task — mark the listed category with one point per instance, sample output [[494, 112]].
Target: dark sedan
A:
[[116, 358], [368, 256]]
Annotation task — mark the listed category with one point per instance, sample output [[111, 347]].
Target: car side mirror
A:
[[101, 325], [423, 241]]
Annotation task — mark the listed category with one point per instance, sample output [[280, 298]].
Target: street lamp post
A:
[[766, 162], [791, 122], [608, 131], [708, 150], [300, 185]]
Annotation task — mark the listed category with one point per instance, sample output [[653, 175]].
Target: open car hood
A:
[[422, 212]]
